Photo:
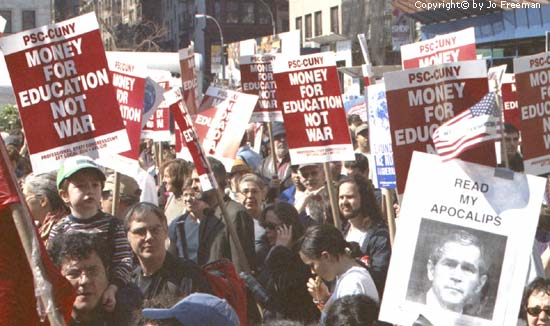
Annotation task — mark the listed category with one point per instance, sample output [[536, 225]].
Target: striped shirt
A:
[[113, 231]]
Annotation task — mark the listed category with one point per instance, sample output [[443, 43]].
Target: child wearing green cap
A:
[[80, 182]]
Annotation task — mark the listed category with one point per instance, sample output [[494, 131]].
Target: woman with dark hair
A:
[[283, 274], [44, 202], [174, 173], [536, 302], [327, 253]]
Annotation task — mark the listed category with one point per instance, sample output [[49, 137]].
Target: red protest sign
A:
[[452, 47], [533, 93], [420, 100], [189, 78], [510, 100], [308, 93], [222, 120], [65, 97], [257, 79], [189, 137], [129, 83]]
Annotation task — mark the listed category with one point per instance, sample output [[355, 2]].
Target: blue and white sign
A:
[[380, 137]]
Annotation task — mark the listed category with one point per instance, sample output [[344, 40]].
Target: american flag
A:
[[477, 124]]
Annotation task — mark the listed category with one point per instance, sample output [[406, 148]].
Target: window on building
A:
[[247, 12], [232, 12], [299, 23], [308, 26], [284, 25], [318, 24], [264, 17], [29, 19], [7, 16], [334, 20], [217, 9]]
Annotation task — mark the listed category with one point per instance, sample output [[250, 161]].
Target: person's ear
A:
[[431, 270], [482, 281], [64, 195], [44, 201]]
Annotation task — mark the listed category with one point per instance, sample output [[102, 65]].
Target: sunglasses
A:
[[270, 226], [536, 310]]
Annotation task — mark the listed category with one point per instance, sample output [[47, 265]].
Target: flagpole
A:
[[27, 234], [116, 194], [503, 155], [386, 193], [21, 219], [332, 197]]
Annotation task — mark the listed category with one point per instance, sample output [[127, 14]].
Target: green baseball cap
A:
[[75, 164]]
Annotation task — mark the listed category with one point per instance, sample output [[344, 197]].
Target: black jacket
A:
[[177, 276], [213, 240]]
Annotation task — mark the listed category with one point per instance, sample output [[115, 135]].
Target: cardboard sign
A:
[[510, 100], [257, 79], [221, 122], [65, 97], [189, 78], [452, 47], [420, 100], [533, 92], [174, 99], [152, 98], [129, 82], [380, 137], [460, 255], [158, 125], [308, 93]]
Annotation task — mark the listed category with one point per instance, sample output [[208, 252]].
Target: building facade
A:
[[502, 32], [25, 14]]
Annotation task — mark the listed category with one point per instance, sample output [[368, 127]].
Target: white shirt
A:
[[355, 280]]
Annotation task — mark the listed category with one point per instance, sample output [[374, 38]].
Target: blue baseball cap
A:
[[198, 309]]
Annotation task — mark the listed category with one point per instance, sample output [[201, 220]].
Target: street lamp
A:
[[271, 15], [221, 38]]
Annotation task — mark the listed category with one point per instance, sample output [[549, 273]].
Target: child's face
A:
[[83, 193]]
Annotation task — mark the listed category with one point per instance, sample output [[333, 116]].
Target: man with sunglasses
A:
[[313, 202], [536, 302]]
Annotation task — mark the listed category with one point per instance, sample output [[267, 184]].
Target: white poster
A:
[[461, 252], [380, 137]]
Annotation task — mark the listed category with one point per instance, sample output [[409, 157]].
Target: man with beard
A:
[[278, 180], [358, 206], [237, 214]]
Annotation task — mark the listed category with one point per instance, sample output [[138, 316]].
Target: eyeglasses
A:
[[91, 272], [142, 232], [308, 174], [252, 191], [536, 310], [270, 226]]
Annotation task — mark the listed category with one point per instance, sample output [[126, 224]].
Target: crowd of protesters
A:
[[143, 263]]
